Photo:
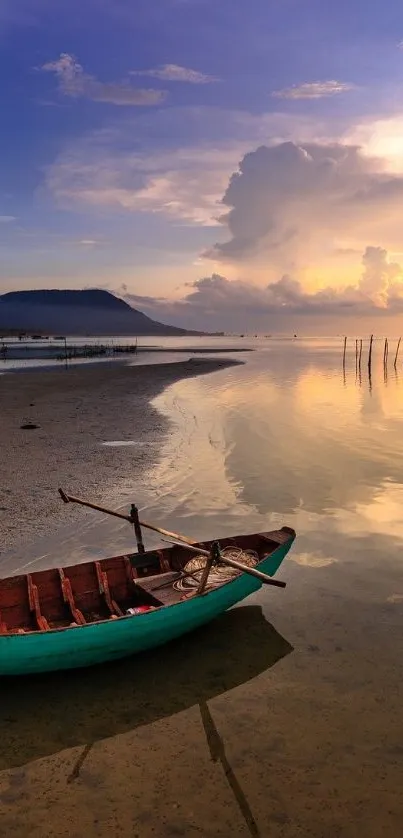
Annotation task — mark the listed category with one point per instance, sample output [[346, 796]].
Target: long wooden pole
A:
[[344, 352], [71, 499], [180, 540], [370, 353], [397, 352], [278, 583]]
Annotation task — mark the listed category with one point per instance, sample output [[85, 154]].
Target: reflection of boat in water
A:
[[50, 713]]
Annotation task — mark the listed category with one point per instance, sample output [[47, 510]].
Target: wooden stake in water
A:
[[385, 353], [360, 355], [356, 354], [370, 353], [397, 352], [344, 352]]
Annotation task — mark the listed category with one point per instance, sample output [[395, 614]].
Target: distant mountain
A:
[[92, 312]]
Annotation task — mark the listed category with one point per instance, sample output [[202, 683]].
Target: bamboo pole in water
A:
[[397, 352], [370, 353]]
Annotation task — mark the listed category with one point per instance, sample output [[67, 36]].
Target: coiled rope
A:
[[219, 573]]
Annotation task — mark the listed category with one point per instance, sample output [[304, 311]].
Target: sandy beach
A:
[[76, 411]]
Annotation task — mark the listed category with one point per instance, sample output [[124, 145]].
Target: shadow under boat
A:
[[46, 714]]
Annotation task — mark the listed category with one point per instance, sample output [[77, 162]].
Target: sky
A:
[[221, 165]]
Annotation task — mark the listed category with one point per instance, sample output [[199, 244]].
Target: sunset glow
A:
[[146, 161]]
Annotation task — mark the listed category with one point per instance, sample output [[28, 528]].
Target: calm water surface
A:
[[283, 718]]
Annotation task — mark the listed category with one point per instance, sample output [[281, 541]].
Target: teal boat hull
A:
[[107, 640]]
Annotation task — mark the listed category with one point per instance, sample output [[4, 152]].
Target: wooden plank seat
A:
[[34, 605], [65, 584], [158, 588], [103, 586]]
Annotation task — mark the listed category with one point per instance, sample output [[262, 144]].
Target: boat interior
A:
[[60, 598]]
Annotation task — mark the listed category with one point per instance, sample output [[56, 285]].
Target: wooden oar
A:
[[179, 540], [71, 499], [267, 580]]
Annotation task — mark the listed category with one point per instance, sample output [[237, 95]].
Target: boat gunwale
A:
[[51, 631]]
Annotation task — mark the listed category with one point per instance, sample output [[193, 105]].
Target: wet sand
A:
[[77, 410]]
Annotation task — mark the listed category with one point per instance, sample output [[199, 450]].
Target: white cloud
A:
[[6, 219], [88, 242], [174, 72], [292, 205], [185, 185], [75, 83], [314, 90], [381, 280], [106, 170], [305, 209]]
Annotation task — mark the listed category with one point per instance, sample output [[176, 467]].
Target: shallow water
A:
[[284, 718]]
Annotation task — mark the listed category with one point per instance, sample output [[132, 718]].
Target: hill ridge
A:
[[77, 312]]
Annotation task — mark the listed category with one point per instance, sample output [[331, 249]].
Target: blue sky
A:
[[123, 122]]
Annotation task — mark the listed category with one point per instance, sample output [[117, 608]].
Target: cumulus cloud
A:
[[74, 82], [314, 90], [303, 209], [106, 169], [291, 205], [381, 280], [216, 303], [174, 72]]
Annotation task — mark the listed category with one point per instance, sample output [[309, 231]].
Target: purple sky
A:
[[123, 124]]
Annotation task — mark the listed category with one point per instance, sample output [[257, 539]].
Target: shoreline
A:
[[76, 413], [52, 364]]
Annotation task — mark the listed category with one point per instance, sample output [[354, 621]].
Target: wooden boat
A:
[[76, 616]]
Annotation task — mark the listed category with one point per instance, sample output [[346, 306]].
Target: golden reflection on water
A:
[[288, 441], [312, 559]]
